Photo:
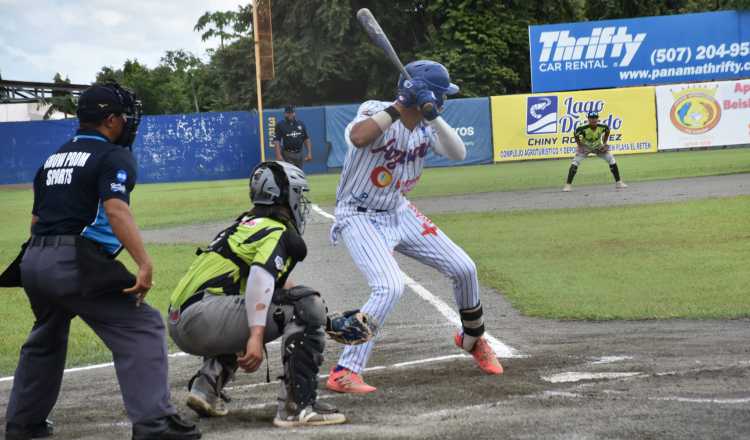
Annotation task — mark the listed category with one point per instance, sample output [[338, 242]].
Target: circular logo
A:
[[381, 177], [695, 113], [122, 176]]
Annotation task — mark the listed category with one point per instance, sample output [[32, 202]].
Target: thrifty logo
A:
[[568, 48]]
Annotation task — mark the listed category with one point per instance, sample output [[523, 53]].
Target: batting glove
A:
[[407, 94], [427, 102]]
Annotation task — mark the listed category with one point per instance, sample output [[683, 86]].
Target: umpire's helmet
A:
[[101, 100], [435, 75], [283, 184]]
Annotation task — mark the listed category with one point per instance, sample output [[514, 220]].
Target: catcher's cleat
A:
[[620, 185], [567, 188], [307, 417], [203, 400], [347, 381], [483, 355]]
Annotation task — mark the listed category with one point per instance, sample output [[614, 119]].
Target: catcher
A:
[[592, 138], [235, 298]]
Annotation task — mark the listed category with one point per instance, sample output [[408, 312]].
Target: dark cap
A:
[[593, 115], [98, 102], [289, 109]]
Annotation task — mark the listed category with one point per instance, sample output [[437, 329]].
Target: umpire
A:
[[80, 222], [291, 134]]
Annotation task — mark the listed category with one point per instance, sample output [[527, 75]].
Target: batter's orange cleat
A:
[[347, 381], [483, 354]]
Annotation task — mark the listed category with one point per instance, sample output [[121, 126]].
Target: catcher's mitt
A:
[[351, 327]]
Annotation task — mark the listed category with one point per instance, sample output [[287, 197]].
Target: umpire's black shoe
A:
[[28, 432], [166, 428]]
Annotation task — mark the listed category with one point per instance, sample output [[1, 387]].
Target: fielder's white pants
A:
[[606, 156], [371, 239]]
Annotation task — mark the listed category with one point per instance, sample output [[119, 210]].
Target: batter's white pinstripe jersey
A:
[[377, 176]]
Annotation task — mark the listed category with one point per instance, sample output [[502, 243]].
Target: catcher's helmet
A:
[[283, 184], [435, 75]]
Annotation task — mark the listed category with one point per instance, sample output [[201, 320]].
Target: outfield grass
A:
[[680, 260], [169, 204]]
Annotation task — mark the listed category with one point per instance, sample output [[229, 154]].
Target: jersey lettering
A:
[[378, 175]]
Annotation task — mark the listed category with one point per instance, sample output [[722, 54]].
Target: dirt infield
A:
[[674, 379]]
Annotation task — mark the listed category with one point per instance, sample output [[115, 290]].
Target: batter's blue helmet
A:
[[435, 75]]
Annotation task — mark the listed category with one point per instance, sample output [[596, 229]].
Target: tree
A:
[[61, 101]]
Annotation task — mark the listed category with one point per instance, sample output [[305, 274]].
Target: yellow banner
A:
[[542, 126]]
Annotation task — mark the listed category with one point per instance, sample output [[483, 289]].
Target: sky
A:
[[39, 38]]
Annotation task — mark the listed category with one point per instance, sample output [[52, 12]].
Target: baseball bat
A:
[[377, 36]]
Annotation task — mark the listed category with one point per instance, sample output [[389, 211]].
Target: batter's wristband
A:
[[383, 119]]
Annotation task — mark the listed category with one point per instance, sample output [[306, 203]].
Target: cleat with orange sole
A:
[[483, 355], [347, 381]]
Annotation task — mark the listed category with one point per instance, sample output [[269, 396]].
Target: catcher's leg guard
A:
[[303, 342], [303, 355], [472, 323]]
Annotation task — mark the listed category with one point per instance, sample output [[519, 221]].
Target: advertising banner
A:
[[639, 51], [543, 126], [703, 115], [168, 148], [469, 117]]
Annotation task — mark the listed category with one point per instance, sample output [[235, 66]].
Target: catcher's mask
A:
[[101, 100], [281, 183]]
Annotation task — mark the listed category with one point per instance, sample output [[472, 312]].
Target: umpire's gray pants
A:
[[216, 328], [135, 335], [295, 158]]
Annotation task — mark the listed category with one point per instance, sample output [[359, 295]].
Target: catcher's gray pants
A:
[[135, 335], [295, 158], [216, 328], [607, 156]]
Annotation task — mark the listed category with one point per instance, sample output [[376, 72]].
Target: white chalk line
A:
[[574, 376], [501, 350], [367, 370], [94, 367]]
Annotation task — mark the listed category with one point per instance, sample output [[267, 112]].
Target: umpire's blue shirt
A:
[[71, 186]]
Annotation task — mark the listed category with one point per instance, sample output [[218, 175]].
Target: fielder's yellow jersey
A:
[[591, 138], [222, 268]]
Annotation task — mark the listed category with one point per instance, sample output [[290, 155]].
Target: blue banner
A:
[[25, 145], [197, 146], [314, 120], [640, 51], [469, 117], [172, 148]]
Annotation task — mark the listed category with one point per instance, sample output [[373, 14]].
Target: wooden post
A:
[[256, 40]]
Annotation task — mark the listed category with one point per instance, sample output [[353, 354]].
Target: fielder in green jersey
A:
[[592, 139]]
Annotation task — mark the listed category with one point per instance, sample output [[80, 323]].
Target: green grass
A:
[[169, 204], [16, 318], [681, 260]]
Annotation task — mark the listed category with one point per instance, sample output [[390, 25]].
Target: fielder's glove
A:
[[351, 327]]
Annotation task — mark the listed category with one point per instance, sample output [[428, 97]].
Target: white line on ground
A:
[[111, 364], [610, 359], [703, 400], [501, 350], [573, 376], [94, 367], [367, 370]]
